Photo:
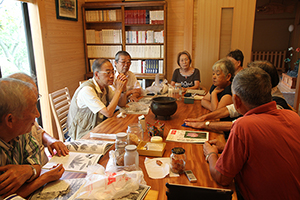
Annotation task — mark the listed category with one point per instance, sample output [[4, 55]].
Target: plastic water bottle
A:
[[178, 91]]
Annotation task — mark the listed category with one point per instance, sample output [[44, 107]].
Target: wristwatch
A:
[[33, 174], [207, 123]]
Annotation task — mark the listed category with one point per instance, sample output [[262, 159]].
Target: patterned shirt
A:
[[23, 149]]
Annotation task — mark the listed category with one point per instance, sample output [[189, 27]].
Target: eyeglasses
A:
[[108, 72], [123, 63], [39, 97]]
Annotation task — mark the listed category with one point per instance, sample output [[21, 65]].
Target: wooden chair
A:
[[60, 101]]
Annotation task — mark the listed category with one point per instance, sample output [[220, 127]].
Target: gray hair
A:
[[121, 53], [23, 77], [253, 86], [12, 97], [98, 64], [226, 66]]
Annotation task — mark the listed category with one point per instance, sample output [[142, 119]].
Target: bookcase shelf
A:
[[147, 44]]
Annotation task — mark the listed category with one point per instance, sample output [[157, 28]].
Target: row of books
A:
[[103, 15], [147, 66], [103, 36], [149, 36], [144, 16], [146, 51], [140, 66], [102, 51]]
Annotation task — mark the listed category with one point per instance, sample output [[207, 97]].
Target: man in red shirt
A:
[[262, 152]]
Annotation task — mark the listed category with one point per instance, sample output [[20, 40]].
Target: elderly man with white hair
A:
[[19, 153]]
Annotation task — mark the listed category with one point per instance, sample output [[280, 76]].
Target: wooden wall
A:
[[59, 53], [207, 33]]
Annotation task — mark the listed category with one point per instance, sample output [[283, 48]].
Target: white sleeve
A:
[[87, 97], [232, 111]]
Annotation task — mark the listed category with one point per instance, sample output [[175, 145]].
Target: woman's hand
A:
[[217, 90]]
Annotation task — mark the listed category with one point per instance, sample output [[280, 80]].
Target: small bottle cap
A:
[[130, 147], [178, 150], [121, 135]]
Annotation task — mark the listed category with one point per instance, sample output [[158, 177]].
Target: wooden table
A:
[[194, 152]]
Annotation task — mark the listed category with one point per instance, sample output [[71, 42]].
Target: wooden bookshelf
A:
[[110, 17]]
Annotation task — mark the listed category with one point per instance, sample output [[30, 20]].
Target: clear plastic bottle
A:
[[135, 133], [120, 144], [178, 91], [177, 160], [131, 156]]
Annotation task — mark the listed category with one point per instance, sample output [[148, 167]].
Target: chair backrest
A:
[[188, 192], [60, 103]]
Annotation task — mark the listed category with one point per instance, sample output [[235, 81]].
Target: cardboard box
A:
[[144, 152]]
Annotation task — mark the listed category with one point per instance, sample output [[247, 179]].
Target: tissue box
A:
[[144, 152], [188, 100]]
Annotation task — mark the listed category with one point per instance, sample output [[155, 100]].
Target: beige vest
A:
[[83, 120]]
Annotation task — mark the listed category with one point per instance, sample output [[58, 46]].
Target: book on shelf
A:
[[156, 16], [102, 51], [187, 136], [103, 15], [144, 51], [113, 36], [82, 154], [147, 66], [144, 16]]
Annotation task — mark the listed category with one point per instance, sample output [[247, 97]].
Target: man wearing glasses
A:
[[94, 99], [122, 63]]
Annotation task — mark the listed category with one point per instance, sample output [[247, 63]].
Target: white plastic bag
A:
[[110, 186]]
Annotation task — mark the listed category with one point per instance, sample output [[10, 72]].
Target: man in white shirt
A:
[[94, 99], [122, 63]]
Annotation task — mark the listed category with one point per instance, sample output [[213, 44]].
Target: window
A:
[[16, 51]]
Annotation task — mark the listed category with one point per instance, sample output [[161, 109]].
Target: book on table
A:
[[82, 154], [187, 136]]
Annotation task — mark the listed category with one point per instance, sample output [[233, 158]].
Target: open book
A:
[[82, 154], [187, 136]]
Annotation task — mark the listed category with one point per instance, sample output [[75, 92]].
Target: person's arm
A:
[[213, 126], [211, 153], [196, 86], [217, 114], [173, 83], [119, 97], [15, 176], [53, 143], [135, 93], [54, 174], [205, 102]]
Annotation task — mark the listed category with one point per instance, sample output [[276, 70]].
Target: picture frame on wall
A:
[[67, 9]]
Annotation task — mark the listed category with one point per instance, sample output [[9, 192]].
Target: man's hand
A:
[[198, 119], [59, 146], [220, 145], [133, 98], [208, 148], [13, 178], [121, 82], [199, 125], [54, 174]]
